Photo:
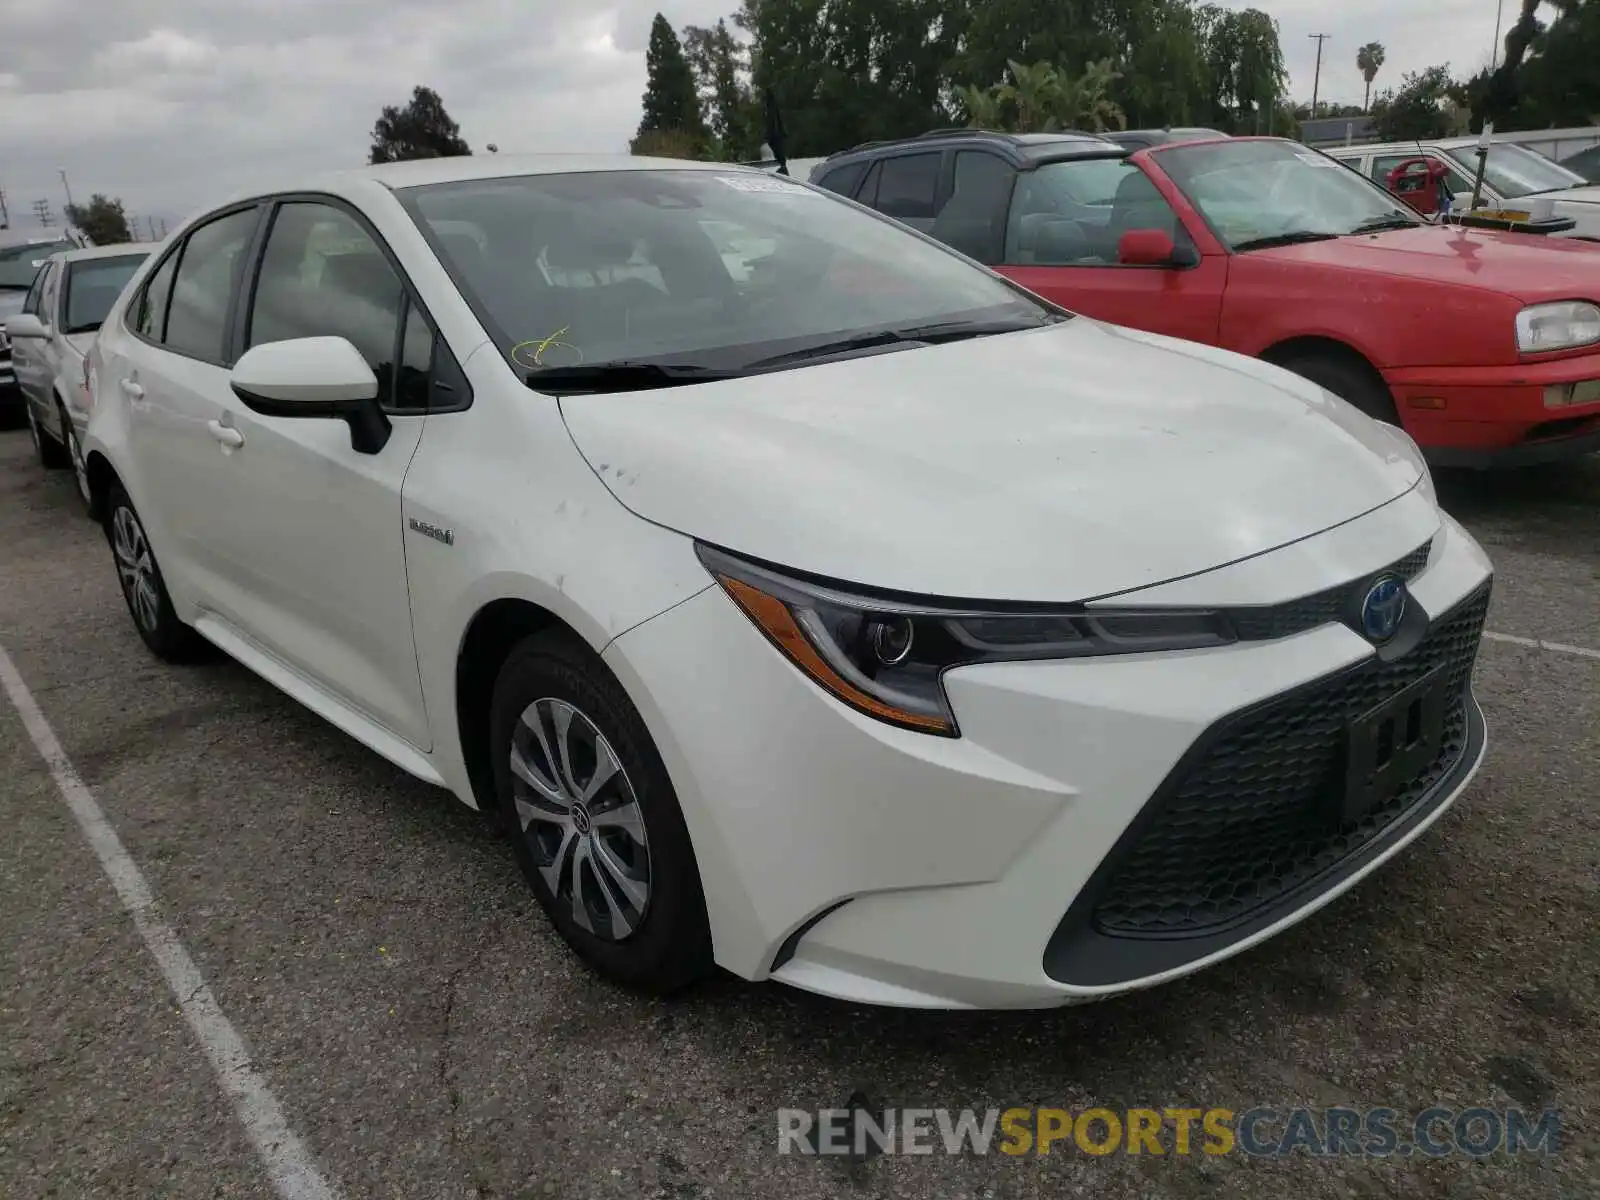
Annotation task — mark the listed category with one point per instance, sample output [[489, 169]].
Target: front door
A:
[[313, 529], [1062, 239]]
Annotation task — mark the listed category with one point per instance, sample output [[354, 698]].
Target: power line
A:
[[1316, 79]]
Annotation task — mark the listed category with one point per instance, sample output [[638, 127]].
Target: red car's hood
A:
[[1527, 266]]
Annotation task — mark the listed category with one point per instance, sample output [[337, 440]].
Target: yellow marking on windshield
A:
[[542, 346]]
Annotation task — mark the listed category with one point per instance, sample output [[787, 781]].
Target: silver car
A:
[[50, 338]]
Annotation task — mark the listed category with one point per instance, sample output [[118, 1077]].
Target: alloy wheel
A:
[[136, 568], [580, 817]]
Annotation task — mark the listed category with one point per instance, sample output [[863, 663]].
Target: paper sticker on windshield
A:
[[764, 183]]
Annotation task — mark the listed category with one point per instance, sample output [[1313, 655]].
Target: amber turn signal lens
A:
[[773, 618]]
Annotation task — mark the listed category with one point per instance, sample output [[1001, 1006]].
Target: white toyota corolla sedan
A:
[[845, 616]]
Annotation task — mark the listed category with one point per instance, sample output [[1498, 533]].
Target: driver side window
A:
[[1074, 213]]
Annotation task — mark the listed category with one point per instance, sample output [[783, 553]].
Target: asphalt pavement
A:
[[424, 1034]]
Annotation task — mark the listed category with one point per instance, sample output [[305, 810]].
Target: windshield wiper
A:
[[915, 335], [1377, 224], [1293, 238], [622, 375]]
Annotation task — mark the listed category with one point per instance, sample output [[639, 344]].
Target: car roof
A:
[[1446, 143], [1024, 149], [1184, 133], [115, 250], [397, 176]]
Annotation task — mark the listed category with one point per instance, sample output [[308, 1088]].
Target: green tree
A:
[[1547, 78], [1369, 59], [720, 63], [101, 220], [422, 129], [1418, 110], [671, 101]]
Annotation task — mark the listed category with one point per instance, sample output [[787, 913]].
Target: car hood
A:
[[1579, 195], [1525, 266], [1060, 464]]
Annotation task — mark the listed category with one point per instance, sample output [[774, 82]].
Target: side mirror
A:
[[26, 325], [322, 377], [1153, 248]]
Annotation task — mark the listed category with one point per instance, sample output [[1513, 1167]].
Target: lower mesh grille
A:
[[1250, 820]]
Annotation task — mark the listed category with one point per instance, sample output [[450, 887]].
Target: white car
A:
[[50, 338], [1512, 175], [869, 625]]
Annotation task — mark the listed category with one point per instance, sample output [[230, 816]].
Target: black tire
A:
[[52, 454], [75, 459], [665, 944], [1349, 379], [152, 612]]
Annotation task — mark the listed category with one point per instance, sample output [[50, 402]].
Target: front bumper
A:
[[879, 865], [1492, 417]]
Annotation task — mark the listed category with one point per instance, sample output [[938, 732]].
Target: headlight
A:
[[1560, 326], [885, 656]]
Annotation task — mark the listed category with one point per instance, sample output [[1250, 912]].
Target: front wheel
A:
[[593, 817], [1350, 379], [143, 587]]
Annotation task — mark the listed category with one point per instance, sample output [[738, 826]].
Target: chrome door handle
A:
[[226, 434], [132, 390]]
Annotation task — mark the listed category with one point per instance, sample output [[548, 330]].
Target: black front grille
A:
[[1320, 608], [1248, 821]]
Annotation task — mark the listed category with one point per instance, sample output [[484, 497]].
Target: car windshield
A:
[[93, 286], [1516, 171], [713, 270], [1263, 192]]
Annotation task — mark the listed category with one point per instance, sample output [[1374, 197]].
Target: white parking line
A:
[[288, 1164], [1541, 644]]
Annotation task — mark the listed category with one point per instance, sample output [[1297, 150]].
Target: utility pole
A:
[[5, 217], [67, 187], [1494, 50], [151, 222], [1316, 79], [41, 209]]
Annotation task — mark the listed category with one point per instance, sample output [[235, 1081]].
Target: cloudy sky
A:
[[172, 103]]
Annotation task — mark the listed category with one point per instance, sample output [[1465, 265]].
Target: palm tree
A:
[[1038, 94], [1088, 100], [1369, 58], [982, 106]]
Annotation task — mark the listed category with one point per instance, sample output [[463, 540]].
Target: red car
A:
[[1484, 346]]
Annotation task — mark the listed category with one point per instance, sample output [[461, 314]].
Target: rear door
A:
[[1066, 222], [170, 373]]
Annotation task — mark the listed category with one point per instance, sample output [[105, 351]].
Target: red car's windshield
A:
[[1253, 192]]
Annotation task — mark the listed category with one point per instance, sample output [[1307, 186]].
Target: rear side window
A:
[[150, 313], [843, 180], [907, 187], [973, 218], [208, 270]]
